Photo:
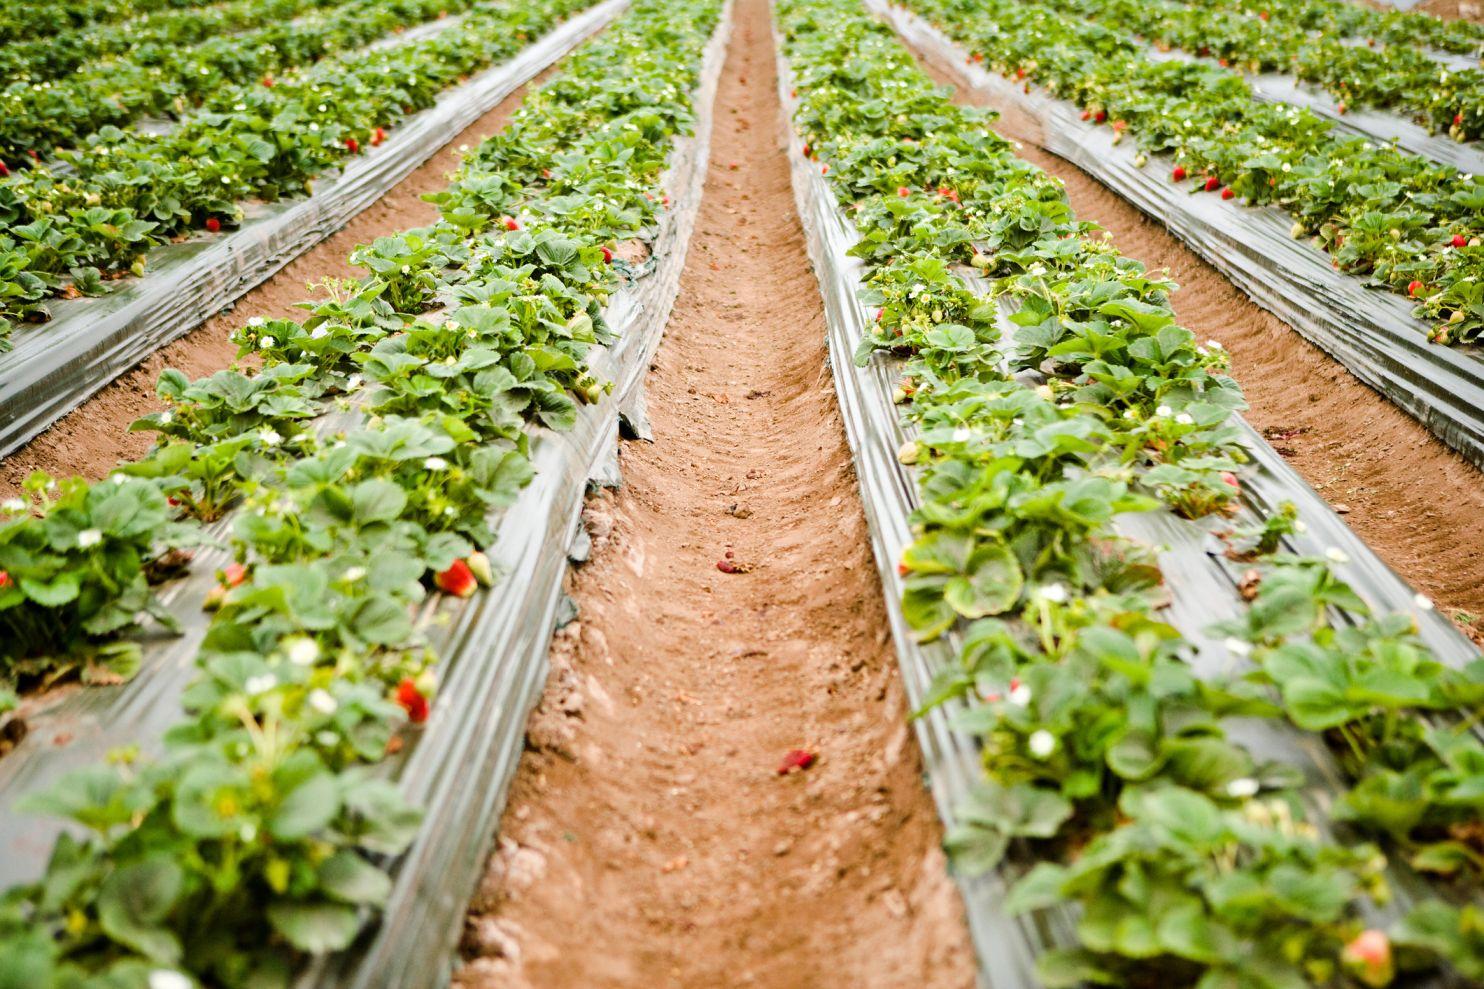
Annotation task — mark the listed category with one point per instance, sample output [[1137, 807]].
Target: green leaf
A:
[[316, 928], [348, 877], [135, 900]]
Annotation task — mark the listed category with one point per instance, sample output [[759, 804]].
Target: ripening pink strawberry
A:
[[457, 580], [1414, 288], [233, 574], [377, 136], [902, 569], [1179, 173], [213, 224], [4, 579], [1368, 958], [903, 191], [1086, 114], [510, 223], [1230, 479], [268, 82], [1458, 120]]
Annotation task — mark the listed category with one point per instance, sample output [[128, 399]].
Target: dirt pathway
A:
[[650, 840], [1416, 502], [90, 440]]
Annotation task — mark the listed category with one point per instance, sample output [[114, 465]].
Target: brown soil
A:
[[1416, 502], [94, 437], [1454, 10], [650, 840]]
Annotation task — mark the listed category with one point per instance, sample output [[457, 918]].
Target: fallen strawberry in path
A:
[[733, 566], [412, 701], [796, 761]]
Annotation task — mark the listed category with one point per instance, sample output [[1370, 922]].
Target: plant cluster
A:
[[259, 834], [1393, 77], [35, 18], [1395, 219], [1362, 23], [1051, 390], [127, 191]]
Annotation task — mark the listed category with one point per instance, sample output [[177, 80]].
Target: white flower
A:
[[1185, 419], [1214, 344], [961, 435], [1300, 526], [1285, 166], [1422, 601], [266, 342], [435, 463], [1052, 592], [354, 574], [1336, 555], [318, 333], [1042, 743], [353, 382], [256, 321], [1130, 414], [1164, 411], [166, 417], [301, 650], [89, 537], [1020, 695], [226, 180], [261, 684], [248, 832], [1244, 787], [327, 738], [1044, 391], [270, 437], [14, 505], [1238, 647], [167, 978], [321, 701]]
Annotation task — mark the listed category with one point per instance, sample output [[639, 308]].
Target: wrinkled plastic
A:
[[493, 647], [1377, 125], [1201, 581], [56, 366], [1370, 331]]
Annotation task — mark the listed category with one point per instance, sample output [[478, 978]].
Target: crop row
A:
[[1339, 18], [245, 843], [1393, 218], [1107, 751], [37, 18], [127, 191], [1395, 77], [39, 118], [146, 40]]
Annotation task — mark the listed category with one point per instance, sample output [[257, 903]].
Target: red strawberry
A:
[[352, 145], [268, 82], [903, 191], [1227, 193], [1263, 14], [1228, 478], [795, 761], [479, 566], [1086, 114], [4, 171], [377, 136], [1340, 109], [903, 570], [1101, 116], [1212, 183], [1368, 958], [1458, 120], [1020, 73], [1179, 173], [824, 169], [1414, 288], [4, 579], [457, 580], [412, 701], [510, 223], [806, 151], [233, 574], [607, 256], [213, 224], [1459, 240]]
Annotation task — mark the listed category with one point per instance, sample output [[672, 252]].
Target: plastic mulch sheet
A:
[[1370, 331], [1202, 583], [55, 366], [492, 647], [1377, 125]]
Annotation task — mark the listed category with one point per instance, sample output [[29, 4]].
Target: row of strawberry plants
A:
[[1395, 219], [1395, 77], [39, 117], [146, 40], [36, 18], [127, 192], [1105, 753], [246, 842], [1340, 18]]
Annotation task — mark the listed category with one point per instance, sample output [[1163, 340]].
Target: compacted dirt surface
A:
[[93, 438], [649, 804], [1416, 502]]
